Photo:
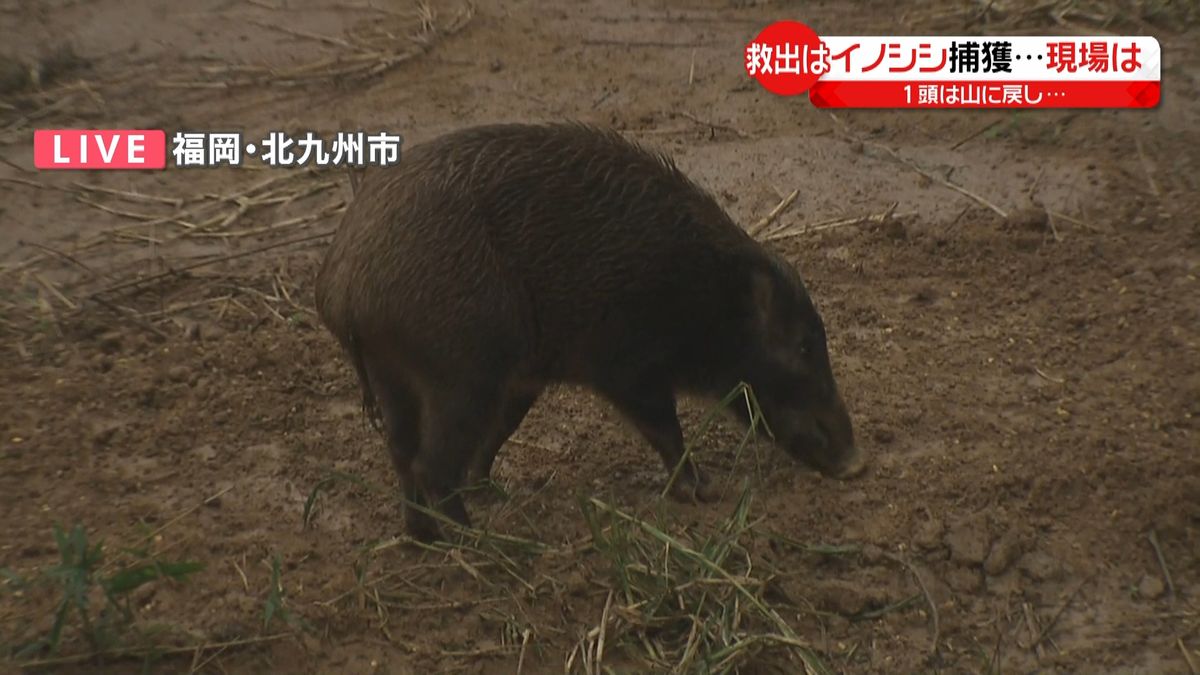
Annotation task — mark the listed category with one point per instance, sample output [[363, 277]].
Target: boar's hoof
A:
[[689, 490]]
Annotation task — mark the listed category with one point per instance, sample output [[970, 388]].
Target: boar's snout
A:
[[853, 465], [824, 439]]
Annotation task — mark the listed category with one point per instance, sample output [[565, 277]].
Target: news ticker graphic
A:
[[957, 72], [787, 58], [146, 149]]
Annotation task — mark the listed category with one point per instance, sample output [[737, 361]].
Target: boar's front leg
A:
[[650, 406], [512, 412]]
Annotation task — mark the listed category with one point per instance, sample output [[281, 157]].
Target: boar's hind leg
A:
[[455, 423], [400, 410], [652, 410], [513, 411]]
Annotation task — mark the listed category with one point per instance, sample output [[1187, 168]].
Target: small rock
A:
[[496, 65], [146, 395], [110, 343], [1144, 277], [929, 534], [1171, 524], [1027, 243], [893, 228], [233, 630], [1151, 587], [299, 320], [847, 598], [924, 296], [205, 453], [56, 64], [1040, 566], [1004, 553], [178, 373], [968, 541], [576, 584], [1030, 218], [964, 580], [312, 645], [837, 625], [14, 75], [1022, 368], [103, 432], [872, 554], [883, 435], [191, 329], [1145, 220]]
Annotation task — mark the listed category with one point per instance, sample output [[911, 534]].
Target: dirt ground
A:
[[1028, 385]]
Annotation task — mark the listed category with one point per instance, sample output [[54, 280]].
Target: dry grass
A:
[[152, 286], [146, 273], [370, 50], [686, 602]]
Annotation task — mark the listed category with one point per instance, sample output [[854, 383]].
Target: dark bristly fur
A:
[[496, 260]]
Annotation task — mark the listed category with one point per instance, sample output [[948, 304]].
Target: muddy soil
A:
[[1022, 365]]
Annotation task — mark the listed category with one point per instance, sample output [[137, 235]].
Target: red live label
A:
[[99, 149]]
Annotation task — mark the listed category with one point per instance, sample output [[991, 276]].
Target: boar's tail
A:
[[369, 404], [356, 176]]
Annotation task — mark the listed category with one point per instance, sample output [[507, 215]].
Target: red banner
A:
[[985, 94]]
